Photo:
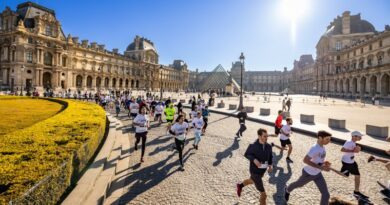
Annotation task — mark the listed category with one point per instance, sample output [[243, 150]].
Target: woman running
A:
[[141, 123], [180, 129]]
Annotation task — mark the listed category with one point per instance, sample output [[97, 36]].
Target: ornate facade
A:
[[35, 53]]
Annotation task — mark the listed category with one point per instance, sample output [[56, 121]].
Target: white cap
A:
[[356, 133]]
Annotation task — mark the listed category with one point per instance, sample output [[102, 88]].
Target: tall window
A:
[[380, 43], [30, 40], [63, 61], [29, 57], [48, 58], [49, 30], [338, 46]]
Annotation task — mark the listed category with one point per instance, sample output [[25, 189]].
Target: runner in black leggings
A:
[[141, 123], [180, 129]]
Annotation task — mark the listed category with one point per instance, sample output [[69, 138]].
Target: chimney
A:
[[84, 43], [115, 50], [94, 45], [346, 22], [101, 47], [75, 40]]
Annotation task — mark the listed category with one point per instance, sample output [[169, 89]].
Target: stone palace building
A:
[[35, 53]]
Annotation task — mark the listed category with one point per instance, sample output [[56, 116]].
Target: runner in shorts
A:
[[285, 134], [259, 155], [278, 122], [349, 164]]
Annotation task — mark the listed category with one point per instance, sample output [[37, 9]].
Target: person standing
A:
[[180, 129], [205, 115], [259, 155], [285, 134], [242, 115], [315, 163], [141, 123], [198, 124], [278, 122], [349, 164]]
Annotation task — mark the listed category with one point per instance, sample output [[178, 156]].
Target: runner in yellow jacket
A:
[[169, 112]]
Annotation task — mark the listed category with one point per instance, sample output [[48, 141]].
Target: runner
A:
[[278, 122], [260, 157], [315, 160], [205, 115], [180, 129], [141, 123], [285, 134], [158, 112], [241, 119], [349, 165], [117, 107], [198, 124], [134, 109], [169, 112], [193, 113]]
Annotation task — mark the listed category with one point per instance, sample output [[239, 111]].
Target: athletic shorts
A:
[[277, 130], [350, 169], [285, 142], [158, 115], [258, 181], [133, 115], [140, 134], [170, 121]]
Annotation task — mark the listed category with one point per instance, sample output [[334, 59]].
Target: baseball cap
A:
[[356, 133]]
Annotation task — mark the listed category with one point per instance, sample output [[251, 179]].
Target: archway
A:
[[106, 82], [127, 83], [46, 78], [354, 86], [373, 85], [137, 84], [385, 85], [113, 82], [335, 86], [89, 82], [98, 82], [341, 86], [120, 82], [363, 85], [79, 81], [132, 84], [347, 90]]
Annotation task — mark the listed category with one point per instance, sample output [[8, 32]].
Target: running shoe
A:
[[142, 160], [239, 190], [371, 158], [136, 147], [181, 168], [360, 195], [286, 194], [385, 193]]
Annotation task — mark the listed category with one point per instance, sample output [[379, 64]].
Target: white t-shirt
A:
[[198, 123], [317, 155], [134, 107], [179, 130], [159, 109], [142, 122], [348, 156], [193, 114], [285, 129]]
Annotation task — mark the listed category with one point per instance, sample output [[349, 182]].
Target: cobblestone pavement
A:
[[211, 173]]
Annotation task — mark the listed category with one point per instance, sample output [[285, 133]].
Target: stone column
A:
[[5, 74], [94, 82], [378, 85]]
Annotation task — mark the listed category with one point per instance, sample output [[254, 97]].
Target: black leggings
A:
[[205, 120], [241, 130], [180, 147], [138, 136]]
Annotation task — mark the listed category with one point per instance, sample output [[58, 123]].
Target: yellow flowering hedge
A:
[[29, 155]]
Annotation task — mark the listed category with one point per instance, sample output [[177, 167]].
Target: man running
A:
[[259, 155], [158, 110], [134, 109], [278, 122], [241, 119], [205, 115], [141, 123], [198, 123], [169, 112], [349, 164], [285, 133], [180, 129], [315, 160]]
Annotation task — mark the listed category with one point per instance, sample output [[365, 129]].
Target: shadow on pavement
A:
[[228, 152], [279, 178]]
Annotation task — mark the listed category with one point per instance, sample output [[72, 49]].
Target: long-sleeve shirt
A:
[[261, 152], [242, 117]]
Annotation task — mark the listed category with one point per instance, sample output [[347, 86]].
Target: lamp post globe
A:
[[242, 60]]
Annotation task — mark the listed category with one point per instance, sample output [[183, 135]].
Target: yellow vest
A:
[[170, 112]]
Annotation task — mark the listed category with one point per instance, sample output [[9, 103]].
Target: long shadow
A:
[[279, 180], [228, 152], [146, 178], [215, 121]]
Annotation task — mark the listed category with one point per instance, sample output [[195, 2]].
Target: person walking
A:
[[259, 155], [349, 164], [205, 115], [285, 134], [180, 129], [315, 163], [242, 115], [141, 123], [284, 105], [288, 104], [198, 124]]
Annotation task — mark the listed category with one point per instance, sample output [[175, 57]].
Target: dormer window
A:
[[49, 30], [338, 46]]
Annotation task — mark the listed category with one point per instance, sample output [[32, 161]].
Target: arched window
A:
[[79, 81], [48, 59]]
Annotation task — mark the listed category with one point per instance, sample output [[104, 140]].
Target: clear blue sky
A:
[[205, 33]]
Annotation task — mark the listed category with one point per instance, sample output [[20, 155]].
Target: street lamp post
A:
[[21, 89], [161, 91], [242, 59]]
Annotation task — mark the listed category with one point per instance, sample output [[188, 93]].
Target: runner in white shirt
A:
[[315, 161], [141, 123], [349, 165], [134, 109], [158, 110], [285, 134], [198, 123], [194, 113], [180, 129]]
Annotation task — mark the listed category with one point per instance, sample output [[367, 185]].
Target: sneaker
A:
[[142, 160], [237, 135], [136, 147], [360, 195], [181, 168], [289, 160], [196, 147], [193, 145], [370, 159], [286, 194], [272, 144], [385, 193], [239, 190]]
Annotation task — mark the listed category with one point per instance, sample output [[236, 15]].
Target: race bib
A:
[[264, 165], [181, 137]]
